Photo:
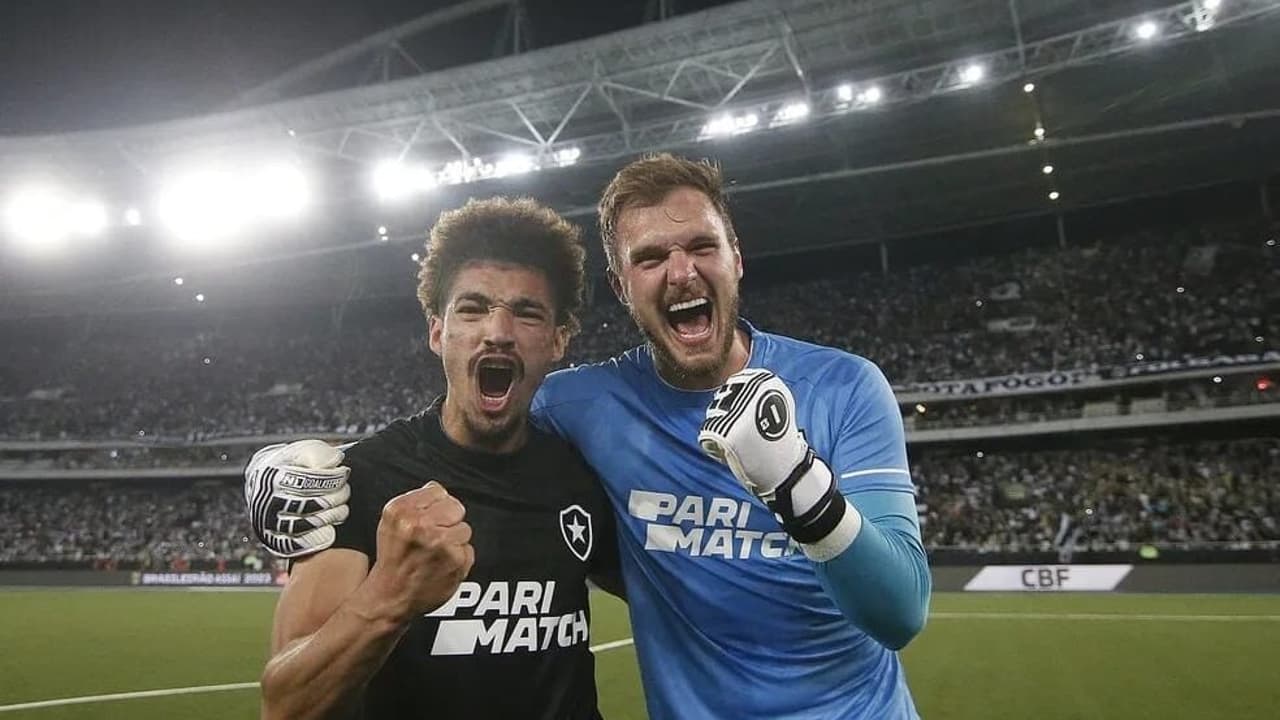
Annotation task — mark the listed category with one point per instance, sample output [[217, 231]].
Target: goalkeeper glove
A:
[[750, 427], [296, 493]]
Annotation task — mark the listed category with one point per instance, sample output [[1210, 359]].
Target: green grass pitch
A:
[[982, 656]]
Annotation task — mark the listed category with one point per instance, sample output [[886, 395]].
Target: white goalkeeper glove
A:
[[296, 493], [750, 426]]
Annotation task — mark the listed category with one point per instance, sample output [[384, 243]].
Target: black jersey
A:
[[513, 640]]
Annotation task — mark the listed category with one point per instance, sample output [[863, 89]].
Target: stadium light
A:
[[199, 297], [1258, 338], [178, 281], [972, 73], [1053, 195], [565, 157], [42, 219], [728, 124], [1029, 87], [89, 218], [789, 113], [871, 95], [920, 408], [1139, 356], [415, 257], [1217, 379], [1180, 289], [980, 454], [201, 207], [1047, 169], [394, 180], [133, 217], [382, 230], [513, 164], [279, 191], [1039, 132], [844, 93], [1146, 30]]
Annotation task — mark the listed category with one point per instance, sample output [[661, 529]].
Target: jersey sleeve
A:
[[360, 531], [549, 404], [870, 446]]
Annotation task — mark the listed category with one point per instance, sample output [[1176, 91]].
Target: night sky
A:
[[85, 64]]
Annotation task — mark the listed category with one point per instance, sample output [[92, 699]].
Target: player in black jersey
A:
[[415, 612]]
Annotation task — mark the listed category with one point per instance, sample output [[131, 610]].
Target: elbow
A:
[[903, 629]]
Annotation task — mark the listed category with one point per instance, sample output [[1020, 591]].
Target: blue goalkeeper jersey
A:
[[729, 617]]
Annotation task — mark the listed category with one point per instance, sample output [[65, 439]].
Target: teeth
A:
[[688, 304]]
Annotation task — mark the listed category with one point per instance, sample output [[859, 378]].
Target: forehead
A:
[[685, 213], [500, 281]]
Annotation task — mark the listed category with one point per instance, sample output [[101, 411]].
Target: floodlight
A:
[[871, 95], [199, 297], [1029, 87], [382, 229], [565, 157], [972, 73], [792, 112], [279, 191], [1039, 132], [513, 164], [1146, 30], [37, 217], [88, 218], [1047, 169], [1053, 195], [844, 93], [202, 206], [178, 281], [133, 217], [415, 257]]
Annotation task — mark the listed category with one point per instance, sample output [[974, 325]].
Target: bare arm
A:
[[332, 632], [338, 619]]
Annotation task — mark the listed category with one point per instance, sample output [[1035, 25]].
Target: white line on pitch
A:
[[1100, 616], [197, 688]]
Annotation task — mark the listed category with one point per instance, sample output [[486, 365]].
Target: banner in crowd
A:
[[1016, 384], [1048, 578], [216, 579], [1204, 362]]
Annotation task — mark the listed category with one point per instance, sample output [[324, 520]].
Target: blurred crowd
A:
[[1097, 499], [1151, 296], [162, 527], [1112, 498]]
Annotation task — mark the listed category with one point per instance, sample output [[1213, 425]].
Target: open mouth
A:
[[495, 377], [691, 319]]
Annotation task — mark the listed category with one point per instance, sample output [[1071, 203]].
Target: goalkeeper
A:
[[767, 524]]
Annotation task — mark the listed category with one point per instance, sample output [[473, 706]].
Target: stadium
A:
[[1051, 224]]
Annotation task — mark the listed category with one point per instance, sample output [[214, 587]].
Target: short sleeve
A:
[[870, 447], [360, 531]]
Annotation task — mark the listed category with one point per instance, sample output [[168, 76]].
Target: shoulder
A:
[[800, 361], [401, 437], [586, 382]]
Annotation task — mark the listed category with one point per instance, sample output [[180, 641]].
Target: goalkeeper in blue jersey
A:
[[766, 516]]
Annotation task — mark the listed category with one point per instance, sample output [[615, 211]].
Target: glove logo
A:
[[771, 415], [575, 528]]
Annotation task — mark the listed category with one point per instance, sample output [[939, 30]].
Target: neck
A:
[[455, 427], [736, 359]]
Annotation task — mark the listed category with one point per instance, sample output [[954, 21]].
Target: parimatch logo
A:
[[704, 527], [520, 622]]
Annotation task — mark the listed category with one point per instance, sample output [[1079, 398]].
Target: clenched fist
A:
[[424, 550]]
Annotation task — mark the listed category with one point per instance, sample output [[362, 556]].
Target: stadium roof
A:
[[1123, 114]]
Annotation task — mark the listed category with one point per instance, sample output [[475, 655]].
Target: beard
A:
[[700, 370]]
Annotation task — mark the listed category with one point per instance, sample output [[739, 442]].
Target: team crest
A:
[[575, 528]]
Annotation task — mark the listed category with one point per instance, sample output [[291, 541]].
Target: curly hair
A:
[[645, 182], [521, 232]]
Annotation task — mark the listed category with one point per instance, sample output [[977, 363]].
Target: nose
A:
[[680, 267], [499, 327]]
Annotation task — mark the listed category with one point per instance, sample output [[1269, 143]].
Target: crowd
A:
[[170, 526], [1116, 497], [1109, 498], [1151, 296]]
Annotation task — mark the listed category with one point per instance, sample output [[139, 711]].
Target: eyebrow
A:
[[637, 253], [522, 302]]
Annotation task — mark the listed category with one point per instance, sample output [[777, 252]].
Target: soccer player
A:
[[413, 611], [767, 525]]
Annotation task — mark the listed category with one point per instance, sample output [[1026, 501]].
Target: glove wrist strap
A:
[[824, 528]]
